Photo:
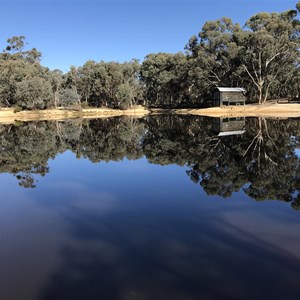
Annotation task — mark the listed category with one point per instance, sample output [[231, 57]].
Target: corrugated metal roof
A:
[[230, 89]]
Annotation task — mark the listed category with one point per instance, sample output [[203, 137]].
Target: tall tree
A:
[[213, 56], [163, 75], [269, 48]]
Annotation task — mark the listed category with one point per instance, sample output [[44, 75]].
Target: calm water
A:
[[163, 208]]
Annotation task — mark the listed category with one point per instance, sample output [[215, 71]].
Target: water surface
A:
[[165, 207]]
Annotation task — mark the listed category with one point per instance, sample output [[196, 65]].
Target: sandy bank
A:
[[7, 115], [274, 110]]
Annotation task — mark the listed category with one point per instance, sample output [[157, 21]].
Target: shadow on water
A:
[[131, 261]]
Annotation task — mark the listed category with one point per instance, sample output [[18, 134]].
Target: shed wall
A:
[[232, 96]]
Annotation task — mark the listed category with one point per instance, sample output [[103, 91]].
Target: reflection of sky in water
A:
[[133, 230]]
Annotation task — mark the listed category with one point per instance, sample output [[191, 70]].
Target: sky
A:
[[72, 32]]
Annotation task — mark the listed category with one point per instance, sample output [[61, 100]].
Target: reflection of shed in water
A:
[[229, 126], [224, 96]]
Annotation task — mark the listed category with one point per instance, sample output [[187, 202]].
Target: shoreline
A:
[[7, 115], [270, 110]]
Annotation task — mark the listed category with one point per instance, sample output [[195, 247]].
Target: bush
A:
[[69, 97], [84, 104], [17, 109], [34, 93]]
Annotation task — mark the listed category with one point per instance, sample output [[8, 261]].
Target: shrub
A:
[[69, 97], [33, 93], [17, 109]]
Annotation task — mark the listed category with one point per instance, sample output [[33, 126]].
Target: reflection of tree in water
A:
[[171, 139], [273, 167], [29, 180], [261, 160], [110, 139], [26, 148]]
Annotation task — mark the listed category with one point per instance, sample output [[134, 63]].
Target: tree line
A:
[[262, 57], [25, 83]]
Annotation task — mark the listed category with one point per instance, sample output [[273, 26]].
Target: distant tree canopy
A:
[[262, 57]]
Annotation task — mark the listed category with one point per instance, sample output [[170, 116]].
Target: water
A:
[[164, 207]]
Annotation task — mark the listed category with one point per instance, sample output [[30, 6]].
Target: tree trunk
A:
[[267, 92], [56, 99], [260, 94]]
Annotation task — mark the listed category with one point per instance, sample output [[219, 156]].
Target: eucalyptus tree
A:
[[16, 50], [69, 98], [131, 78], [16, 44], [56, 79], [86, 84], [23, 81], [213, 56], [33, 93], [215, 50], [269, 49], [15, 75], [259, 57], [287, 83], [71, 79], [164, 78], [124, 96], [109, 83]]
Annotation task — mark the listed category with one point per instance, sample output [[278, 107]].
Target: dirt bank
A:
[[7, 115], [289, 110]]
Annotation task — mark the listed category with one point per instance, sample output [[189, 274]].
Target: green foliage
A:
[[213, 58], [104, 84], [270, 50], [69, 97], [84, 105], [33, 93], [15, 50], [56, 79], [125, 96], [263, 57], [164, 76], [23, 81], [15, 44]]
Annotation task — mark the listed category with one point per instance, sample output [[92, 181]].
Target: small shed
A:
[[225, 96]]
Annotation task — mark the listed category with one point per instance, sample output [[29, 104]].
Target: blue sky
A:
[[72, 32]]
